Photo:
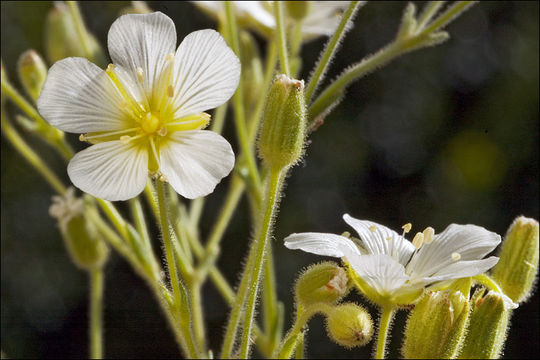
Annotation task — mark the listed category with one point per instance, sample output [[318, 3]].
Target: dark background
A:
[[444, 135]]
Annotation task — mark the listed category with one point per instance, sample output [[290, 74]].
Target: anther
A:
[[82, 137], [170, 91], [456, 256], [389, 239], [170, 57], [406, 228], [140, 74], [125, 139], [418, 240], [346, 234], [110, 67], [372, 228], [163, 178], [162, 131], [429, 233]]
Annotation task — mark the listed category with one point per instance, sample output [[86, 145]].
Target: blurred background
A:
[[443, 135]]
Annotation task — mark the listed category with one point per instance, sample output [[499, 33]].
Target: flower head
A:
[[391, 270], [145, 113], [322, 17]]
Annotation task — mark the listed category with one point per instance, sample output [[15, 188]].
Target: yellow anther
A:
[[429, 233], [407, 227], [170, 57], [170, 91], [346, 234], [389, 239], [140, 74], [110, 68], [372, 228], [82, 137], [125, 139], [418, 240], [162, 131], [163, 178], [456, 256]]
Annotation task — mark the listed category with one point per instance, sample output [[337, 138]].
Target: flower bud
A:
[[136, 7], [325, 282], [518, 259], [32, 73], [298, 9], [349, 325], [488, 325], [62, 39], [281, 138], [436, 326], [85, 247]]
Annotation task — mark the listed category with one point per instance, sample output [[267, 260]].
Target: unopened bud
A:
[[62, 39], [281, 138], [298, 9], [136, 7], [518, 260], [488, 326], [325, 282], [349, 325], [32, 73], [85, 247], [436, 326]]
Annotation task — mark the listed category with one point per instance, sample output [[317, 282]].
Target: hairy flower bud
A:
[[436, 326], [281, 138], [518, 259], [349, 325], [32, 72], [298, 9], [325, 282], [85, 247], [488, 326]]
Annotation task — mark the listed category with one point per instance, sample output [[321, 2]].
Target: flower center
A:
[[150, 123]]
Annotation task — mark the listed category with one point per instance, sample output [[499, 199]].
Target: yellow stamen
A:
[[170, 91], [389, 239], [107, 133], [372, 228], [406, 228], [418, 240], [140, 74], [137, 109], [346, 234], [162, 131], [82, 137], [429, 233], [190, 122], [456, 256], [163, 178]]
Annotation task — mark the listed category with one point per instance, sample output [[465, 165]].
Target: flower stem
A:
[[79, 27], [96, 315], [260, 244], [26, 151], [281, 38], [387, 314], [430, 10], [330, 51]]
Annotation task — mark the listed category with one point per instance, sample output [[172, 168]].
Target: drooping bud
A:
[[436, 326], [252, 69], [517, 268], [32, 73], [282, 134], [298, 9], [349, 325], [83, 242], [325, 282], [488, 326], [62, 39]]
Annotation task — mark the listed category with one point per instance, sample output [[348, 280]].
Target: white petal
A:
[[194, 162], [80, 97], [323, 17], [381, 272], [110, 170], [256, 11], [206, 73], [461, 269], [321, 244], [471, 242], [142, 41], [378, 239]]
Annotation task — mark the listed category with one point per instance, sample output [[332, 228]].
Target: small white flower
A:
[[393, 270], [322, 19], [145, 113]]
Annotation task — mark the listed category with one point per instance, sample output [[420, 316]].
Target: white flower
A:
[[145, 113], [392, 270], [322, 19]]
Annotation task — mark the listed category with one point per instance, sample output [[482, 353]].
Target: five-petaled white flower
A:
[[393, 271], [322, 18], [144, 114]]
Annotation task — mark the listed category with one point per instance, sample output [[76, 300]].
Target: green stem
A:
[[96, 313], [265, 232], [281, 38], [79, 27], [270, 312], [488, 282], [198, 316], [26, 151], [430, 10], [239, 118], [387, 314], [299, 350], [448, 16], [330, 50]]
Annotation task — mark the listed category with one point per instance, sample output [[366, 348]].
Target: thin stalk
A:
[[387, 314], [96, 313], [26, 151], [119, 223], [281, 38], [448, 16], [240, 120], [330, 50], [265, 232], [299, 351], [79, 27], [270, 311], [198, 315], [430, 10]]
